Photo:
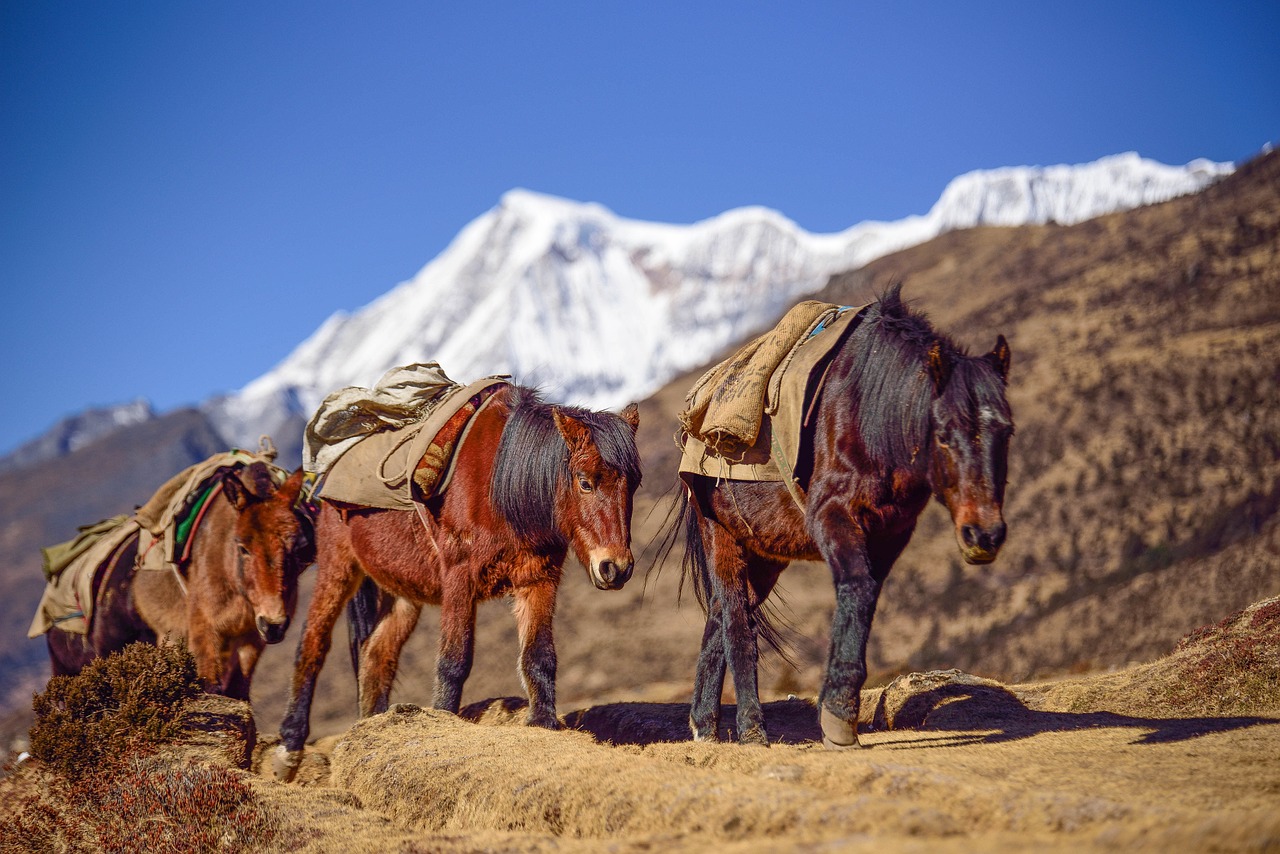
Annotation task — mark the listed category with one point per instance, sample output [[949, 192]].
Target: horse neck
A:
[[525, 491], [885, 413]]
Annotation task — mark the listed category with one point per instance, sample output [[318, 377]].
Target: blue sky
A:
[[188, 189]]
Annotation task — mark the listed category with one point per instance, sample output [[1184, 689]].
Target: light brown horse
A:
[[531, 482], [239, 591]]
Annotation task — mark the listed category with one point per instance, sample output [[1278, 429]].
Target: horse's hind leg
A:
[[380, 655], [336, 580], [730, 584], [708, 681]]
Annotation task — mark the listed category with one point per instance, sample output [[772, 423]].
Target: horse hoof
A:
[[837, 733], [706, 732], [547, 722], [754, 735], [284, 763]]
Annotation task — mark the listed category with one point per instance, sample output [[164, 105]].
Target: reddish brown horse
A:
[[531, 482], [903, 414], [239, 591]]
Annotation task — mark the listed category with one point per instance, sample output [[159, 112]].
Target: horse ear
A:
[[939, 366], [1001, 356], [576, 434], [251, 483], [631, 415], [234, 489], [291, 488]]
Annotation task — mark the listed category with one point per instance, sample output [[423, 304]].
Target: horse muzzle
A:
[[611, 574], [980, 544], [272, 631]]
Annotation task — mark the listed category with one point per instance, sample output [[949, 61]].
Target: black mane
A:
[[893, 389], [533, 464]]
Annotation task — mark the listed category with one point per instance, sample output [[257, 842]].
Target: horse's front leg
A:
[[380, 657], [457, 648], [241, 664], [535, 607], [336, 581], [708, 681], [214, 661], [843, 545]]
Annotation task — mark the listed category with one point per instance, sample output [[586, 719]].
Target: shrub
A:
[[139, 805], [119, 705], [97, 785]]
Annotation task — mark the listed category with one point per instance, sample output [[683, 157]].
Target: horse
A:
[[239, 593], [903, 413], [532, 481]]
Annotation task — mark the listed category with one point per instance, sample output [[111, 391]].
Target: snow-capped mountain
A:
[[600, 310]]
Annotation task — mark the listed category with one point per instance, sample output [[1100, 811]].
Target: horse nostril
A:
[[272, 632], [998, 532], [969, 534], [608, 571], [624, 574]]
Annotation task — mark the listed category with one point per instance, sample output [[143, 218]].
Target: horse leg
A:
[[243, 661], [730, 584], [708, 680], [380, 655], [857, 578], [457, 649], [336, 581], [535, 608], [214, 662]]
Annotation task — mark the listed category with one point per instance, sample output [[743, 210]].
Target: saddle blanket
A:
[[68, 598], [780, 403], [370, 447]]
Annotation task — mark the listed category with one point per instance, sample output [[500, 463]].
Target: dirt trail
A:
[[986, 770]]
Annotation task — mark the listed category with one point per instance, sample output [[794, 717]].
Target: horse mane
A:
[[892, 386], [533, 463]]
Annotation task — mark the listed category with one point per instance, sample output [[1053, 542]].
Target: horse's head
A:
[[594, 507], [274, 543], [971, 425]]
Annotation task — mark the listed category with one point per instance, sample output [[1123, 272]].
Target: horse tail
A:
[[684, 521], [364, 611]]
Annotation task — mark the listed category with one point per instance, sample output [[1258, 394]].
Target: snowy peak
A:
[[600, 310], [1066, 194]]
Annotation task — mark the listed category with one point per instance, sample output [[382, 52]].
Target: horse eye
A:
[[583, 483], [942, 440]]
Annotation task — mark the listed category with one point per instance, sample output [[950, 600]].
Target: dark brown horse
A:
[[238, 593], [531, 482], [903, 414]]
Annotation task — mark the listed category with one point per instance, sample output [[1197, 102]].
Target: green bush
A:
[[119, 705]]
